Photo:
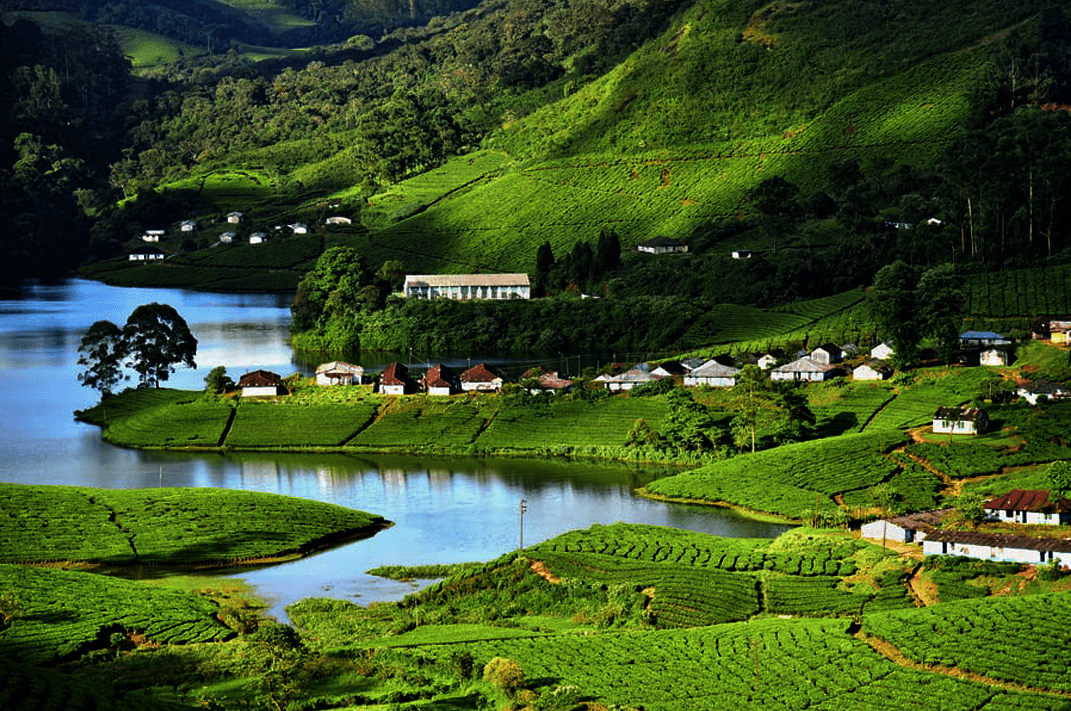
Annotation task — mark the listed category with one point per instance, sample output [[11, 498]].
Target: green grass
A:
[[166, 525], [64, 614]]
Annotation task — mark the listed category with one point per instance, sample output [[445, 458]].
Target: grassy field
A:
[[166, 526]]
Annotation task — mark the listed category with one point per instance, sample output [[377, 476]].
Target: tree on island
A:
[[102, 351], [156, 339]]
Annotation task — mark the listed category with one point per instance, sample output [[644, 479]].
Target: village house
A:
[[770, 359], [713, 374], [960, 420], [338, 373], [234, 218], [395, 380], [981, 339], [1029, 506], [742, 254], [662, 245], [189, 226], [441, 380], [1035, 391], [338, 220], [871, 370], [146, 254], [299, 228], [882, 351], [548, 380], [153, 235], [805, 369], [904, 529], [258, 238], [228, 237], [261, 383], [630, 379], [998, 547], [827, 353], [467, 286], [481, 377]]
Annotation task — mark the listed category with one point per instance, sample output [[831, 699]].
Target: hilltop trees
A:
[[910, 306]]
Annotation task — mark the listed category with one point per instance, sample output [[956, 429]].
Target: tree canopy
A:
[[102, 351], [156, 338]]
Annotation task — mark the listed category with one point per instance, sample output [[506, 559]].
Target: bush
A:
[[504, 674]]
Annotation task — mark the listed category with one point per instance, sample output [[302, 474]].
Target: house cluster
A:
[[1022, 506], [1056, 329]]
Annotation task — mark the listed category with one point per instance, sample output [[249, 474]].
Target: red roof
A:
[[480, 373], [439, 376], [1025, 500], [395, 374], [259, 379]]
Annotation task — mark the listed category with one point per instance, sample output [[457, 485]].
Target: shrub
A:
[[504, 674]]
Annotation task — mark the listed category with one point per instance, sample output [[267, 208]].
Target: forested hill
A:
[[645, 117]]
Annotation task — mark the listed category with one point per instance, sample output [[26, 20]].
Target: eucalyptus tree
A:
[[155, 339]]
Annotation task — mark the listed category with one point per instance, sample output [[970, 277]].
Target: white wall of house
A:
[[268, 390], [882, 528], [492, 385], [439, 391], [692, 381], [1038, 517], [1003, 554], [392, 389]]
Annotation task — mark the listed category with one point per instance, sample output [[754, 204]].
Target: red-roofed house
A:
[[395, 380], [440, 380], [1029, 506], [261, 383], [547, 381], [481, 377]]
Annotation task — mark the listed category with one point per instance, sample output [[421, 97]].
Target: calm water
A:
[[444, 510]]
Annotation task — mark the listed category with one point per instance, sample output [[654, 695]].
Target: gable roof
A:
[[337, 366], [1027, 500], [480, 373], [466, 280], [672, 367], [830, 348], [805, 365], [714, 369], [395, 374], [982, 335], [439, 376], [259, 379]]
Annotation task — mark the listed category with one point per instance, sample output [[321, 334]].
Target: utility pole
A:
[[524, 507]]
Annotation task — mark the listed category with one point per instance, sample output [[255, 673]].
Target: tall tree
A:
[[941, 304], [893, 304], [102, 351], [755, 405], [156, 339]]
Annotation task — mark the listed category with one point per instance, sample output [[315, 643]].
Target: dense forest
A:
[[93, 153]]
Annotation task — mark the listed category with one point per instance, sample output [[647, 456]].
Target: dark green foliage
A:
[[815, 596], [102, 352], [217, 382], [155, 339], [1058, 478]]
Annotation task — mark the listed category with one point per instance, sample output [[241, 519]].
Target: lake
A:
[[445, 510]]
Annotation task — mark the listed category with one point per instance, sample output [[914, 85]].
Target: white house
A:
[[805, 369], [767, 361], [234, 217], [630, 379], [998, 546], [481, 377], [299, 228], [1035, 390], [338, 373], [960, 420], [904, 529], [441, 380], [742, 254], [662, 245], [228, 237], [395, 380], [1029, 506], [189, 226], [338, 220], [714, 374], [467, 286], [258, 238], [261, 383], [153, 235], [146, 254], [882, 351], [871, 370], [827, 353]]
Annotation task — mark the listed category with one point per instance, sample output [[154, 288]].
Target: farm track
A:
[[893, 654]]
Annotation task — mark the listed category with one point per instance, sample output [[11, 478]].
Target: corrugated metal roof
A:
[[259, 378], [394, 374], [480, 373], [1001, 540], [804, 365], [1020, 500]]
